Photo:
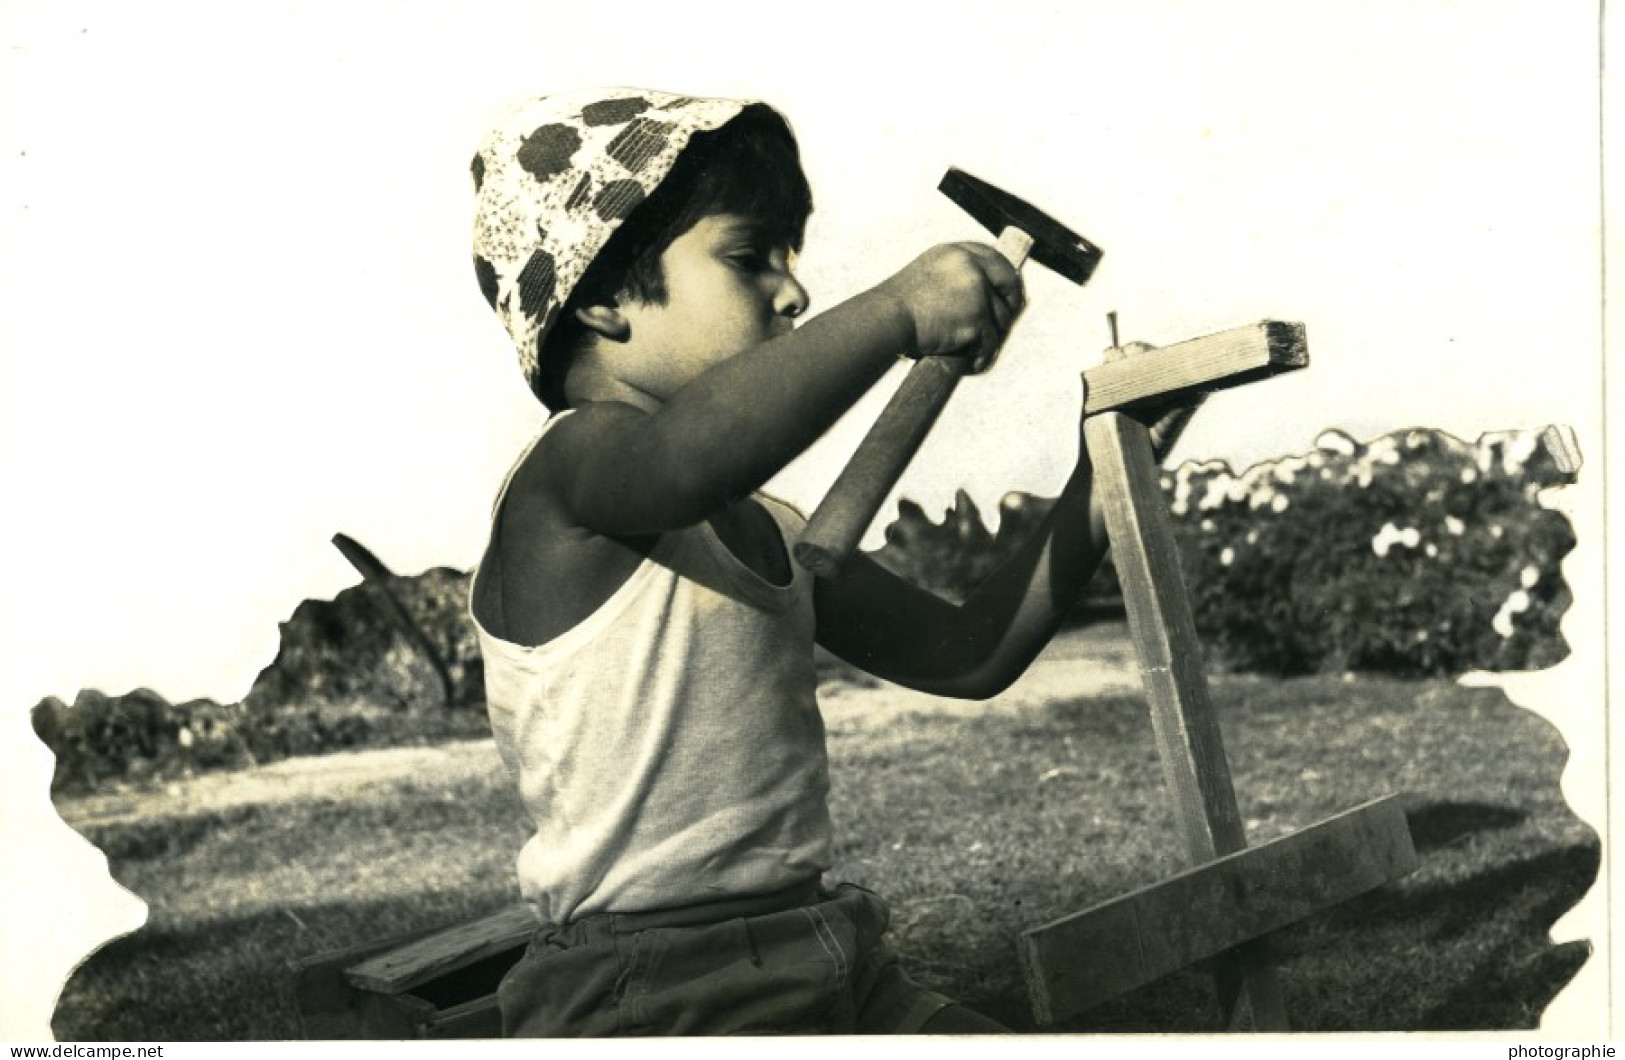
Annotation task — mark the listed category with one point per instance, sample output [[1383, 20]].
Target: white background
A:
[[239, 313]]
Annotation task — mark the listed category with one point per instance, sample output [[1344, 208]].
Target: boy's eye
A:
[[749, 258]]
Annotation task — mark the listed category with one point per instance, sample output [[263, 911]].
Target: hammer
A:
[[850, 506]]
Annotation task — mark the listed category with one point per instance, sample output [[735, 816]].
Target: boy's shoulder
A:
[[542, 572], [577, 442]]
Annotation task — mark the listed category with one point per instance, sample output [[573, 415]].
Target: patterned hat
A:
[[555, 179]]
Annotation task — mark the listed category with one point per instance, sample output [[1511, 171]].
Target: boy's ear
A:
[[606, 321]]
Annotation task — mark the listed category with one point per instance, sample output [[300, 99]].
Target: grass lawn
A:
[[974, 826]]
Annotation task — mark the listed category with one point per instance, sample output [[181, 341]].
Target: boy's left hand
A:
[[1167, 423]]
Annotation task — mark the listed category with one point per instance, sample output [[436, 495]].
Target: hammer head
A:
[[1054, 245]]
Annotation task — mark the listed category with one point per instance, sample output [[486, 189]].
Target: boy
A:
[[648, 642]]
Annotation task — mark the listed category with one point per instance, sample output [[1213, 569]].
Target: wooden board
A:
[[1128, 484], [480, 1018], [1086, 958], [398, 970], [1189, 746], [330, 1008], [1213, 362]]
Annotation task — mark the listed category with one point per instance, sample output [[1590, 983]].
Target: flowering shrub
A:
[[1415, 554]]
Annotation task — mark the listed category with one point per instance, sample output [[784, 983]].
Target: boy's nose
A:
[[791, 299]]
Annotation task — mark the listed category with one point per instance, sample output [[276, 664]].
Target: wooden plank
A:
[[1091, 956], [399, 1017], [1189, 744], [1128, 483], [398, 970], [1213, 362], [330, 1008], [479, 1018]]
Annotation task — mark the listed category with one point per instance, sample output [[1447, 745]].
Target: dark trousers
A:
[[805, 961]]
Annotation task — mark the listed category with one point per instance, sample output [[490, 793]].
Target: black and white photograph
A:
[[693, 520]]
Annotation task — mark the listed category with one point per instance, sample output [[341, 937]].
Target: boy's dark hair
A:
[[750, 167]]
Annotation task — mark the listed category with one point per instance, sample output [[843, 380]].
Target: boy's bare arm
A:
[[907, 635], [623, 471]]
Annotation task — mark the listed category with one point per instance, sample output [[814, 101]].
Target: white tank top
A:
[[669, 747]]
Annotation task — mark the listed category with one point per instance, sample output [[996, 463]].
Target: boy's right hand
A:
[[960, 299]]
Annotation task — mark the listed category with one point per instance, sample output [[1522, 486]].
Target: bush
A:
[[140, 738], [352, 648], [1416, 554]]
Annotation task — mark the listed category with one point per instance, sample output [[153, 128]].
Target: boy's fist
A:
[[960, 299]]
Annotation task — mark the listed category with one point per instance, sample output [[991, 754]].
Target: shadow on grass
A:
[[1485, 938], [1444, 823], [1493, 928]]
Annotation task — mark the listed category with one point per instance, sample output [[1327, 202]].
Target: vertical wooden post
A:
[[1128, 483]]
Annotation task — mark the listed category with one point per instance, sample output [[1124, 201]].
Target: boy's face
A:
[[728, 288]]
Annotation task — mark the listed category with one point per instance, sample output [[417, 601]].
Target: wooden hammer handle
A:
[[850, 505]]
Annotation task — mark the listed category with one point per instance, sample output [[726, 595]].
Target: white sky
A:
[[239, 314]]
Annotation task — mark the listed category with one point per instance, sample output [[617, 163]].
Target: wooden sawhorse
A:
[[1222, 908]]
